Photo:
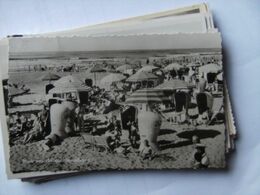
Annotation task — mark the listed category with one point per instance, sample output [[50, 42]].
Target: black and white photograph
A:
[[117, 97], [103, 110]]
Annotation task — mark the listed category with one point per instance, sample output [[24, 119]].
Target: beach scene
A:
[[82, 111]]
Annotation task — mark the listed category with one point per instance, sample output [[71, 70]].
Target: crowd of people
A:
[[35, 127]]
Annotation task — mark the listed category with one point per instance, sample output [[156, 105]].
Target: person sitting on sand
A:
[[113, 133], [113, 140], [146, 152], [36, 133], [110, 105], [200, 157], [114, 125], [19, 127], [202, 100], [25, 124], [121, 97], [100, 107]]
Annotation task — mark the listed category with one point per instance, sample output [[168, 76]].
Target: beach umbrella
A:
[[220, 76], [113, 77], [146, 96], [172, 66], [124, 67], [71, 87], [192, 65], [50, 77], [142, 76], [12, 91], [111, 70], [96, 69], [67, 80], [148, 68], [69, 83], [107, 81], [174, 84], [214, 68], [129, 71]]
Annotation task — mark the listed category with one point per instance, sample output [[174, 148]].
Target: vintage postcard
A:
[[135, 102]]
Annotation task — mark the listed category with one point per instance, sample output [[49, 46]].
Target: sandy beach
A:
[[76, 154], [86, 151]]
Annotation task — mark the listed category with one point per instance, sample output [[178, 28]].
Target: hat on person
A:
[[200, 145]]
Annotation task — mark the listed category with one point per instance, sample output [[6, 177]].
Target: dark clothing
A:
[[202, 102], [180, 101], [211, 77]]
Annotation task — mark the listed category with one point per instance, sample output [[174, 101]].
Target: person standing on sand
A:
[[133, 134], [201, 84]]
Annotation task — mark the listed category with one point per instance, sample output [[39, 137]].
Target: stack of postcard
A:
[[142, 93]]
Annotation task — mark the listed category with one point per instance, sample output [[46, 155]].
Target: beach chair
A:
[[100, 143], [96, 142]]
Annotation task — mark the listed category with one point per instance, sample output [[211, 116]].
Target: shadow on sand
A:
[[166, 131], [164, 144], [201, 133], [187, 135]]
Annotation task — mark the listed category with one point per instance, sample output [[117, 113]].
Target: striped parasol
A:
[[147, 96]]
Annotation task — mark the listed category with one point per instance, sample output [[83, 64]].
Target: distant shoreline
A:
[[104, 54]]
